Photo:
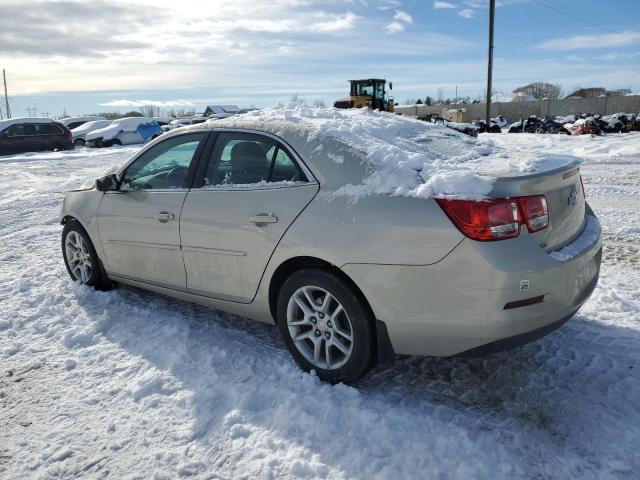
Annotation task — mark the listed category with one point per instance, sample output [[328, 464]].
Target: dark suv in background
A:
[[19, 135]]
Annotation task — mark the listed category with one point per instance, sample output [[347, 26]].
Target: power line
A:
[[570, 15]]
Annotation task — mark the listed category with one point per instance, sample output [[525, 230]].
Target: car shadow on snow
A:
[[558, 386]]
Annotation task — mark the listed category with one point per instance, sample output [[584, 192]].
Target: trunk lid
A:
[[558, 179]]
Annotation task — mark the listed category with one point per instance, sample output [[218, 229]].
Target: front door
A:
[[139, 224], [249, 194], [14, 140]]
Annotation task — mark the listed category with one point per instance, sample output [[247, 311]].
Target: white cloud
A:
[[443, 5], [148, 103], [394, 27], [403, 17], [577, 42], [466, 13]]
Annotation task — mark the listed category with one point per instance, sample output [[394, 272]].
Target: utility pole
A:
[[492, 8], [456, 93], [6, 97]]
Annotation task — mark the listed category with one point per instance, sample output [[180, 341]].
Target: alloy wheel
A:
[[320, 327], [78, 256]]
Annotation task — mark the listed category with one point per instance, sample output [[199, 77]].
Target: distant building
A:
[[221, 111]]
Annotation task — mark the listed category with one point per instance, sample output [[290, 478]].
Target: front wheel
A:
[[326, 325], [80, 256], [79, 142]]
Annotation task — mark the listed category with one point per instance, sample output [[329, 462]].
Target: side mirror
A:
[[107, 183], [390, 85]]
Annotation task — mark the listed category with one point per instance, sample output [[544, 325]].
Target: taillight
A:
[[69, 135], [535, 212], [497, 219], [485, 220]]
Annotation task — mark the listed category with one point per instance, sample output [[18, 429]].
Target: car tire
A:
[[79, 142], [334, 336], [80, 257], [111, 143]]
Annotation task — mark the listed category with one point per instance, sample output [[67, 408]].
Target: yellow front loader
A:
[[370, 93]]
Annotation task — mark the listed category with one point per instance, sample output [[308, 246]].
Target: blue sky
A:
[[87, 57]]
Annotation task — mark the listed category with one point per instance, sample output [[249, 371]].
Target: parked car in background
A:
[[162, 121], [75, 122], [238, 218], [198, 118], [33, 134], [80, 133], [177, 123], [124, 131]]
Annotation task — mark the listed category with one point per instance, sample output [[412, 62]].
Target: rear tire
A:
[[79, 142], [326, 326], [80, 257]]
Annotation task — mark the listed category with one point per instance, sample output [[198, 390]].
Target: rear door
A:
[[246, 194], [53, 135], [13, 140], [139, 224]]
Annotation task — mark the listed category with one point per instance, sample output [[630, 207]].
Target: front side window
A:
[[15, 130], [241, 159], [165, 165]]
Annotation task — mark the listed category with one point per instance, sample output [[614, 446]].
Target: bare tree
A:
[[318, 103], [150, 111], [540, 90], [295, 98]]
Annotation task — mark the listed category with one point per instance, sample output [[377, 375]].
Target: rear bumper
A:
[[457, 305]]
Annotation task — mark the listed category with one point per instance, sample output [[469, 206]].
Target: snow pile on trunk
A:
[[403, 156]]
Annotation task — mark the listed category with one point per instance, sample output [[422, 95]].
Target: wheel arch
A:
[[384, 350], [70, 218]]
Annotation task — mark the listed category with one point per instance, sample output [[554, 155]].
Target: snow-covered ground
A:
[[128, 384]]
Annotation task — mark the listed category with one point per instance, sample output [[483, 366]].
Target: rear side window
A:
[[49, 129], [73, 125], [244, 159]]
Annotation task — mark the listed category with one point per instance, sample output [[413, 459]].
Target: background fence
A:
[[514, 111]]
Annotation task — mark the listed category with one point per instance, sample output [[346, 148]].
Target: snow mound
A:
[[403, 156]]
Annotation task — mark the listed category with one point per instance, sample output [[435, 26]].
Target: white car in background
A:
[[80, 133], [124, 131], [177, 123], [75, 122]]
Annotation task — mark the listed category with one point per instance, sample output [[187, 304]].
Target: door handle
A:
[[164, 217], [264, 218]]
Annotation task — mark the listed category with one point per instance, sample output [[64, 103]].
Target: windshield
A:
[[361, 88]]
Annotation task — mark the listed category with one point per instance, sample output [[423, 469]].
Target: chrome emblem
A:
[[573, 198]]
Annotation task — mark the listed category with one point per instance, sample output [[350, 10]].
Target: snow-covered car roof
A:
[[121, 123], [86, 118], [89, 126], [12, 121], [360, 152]]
